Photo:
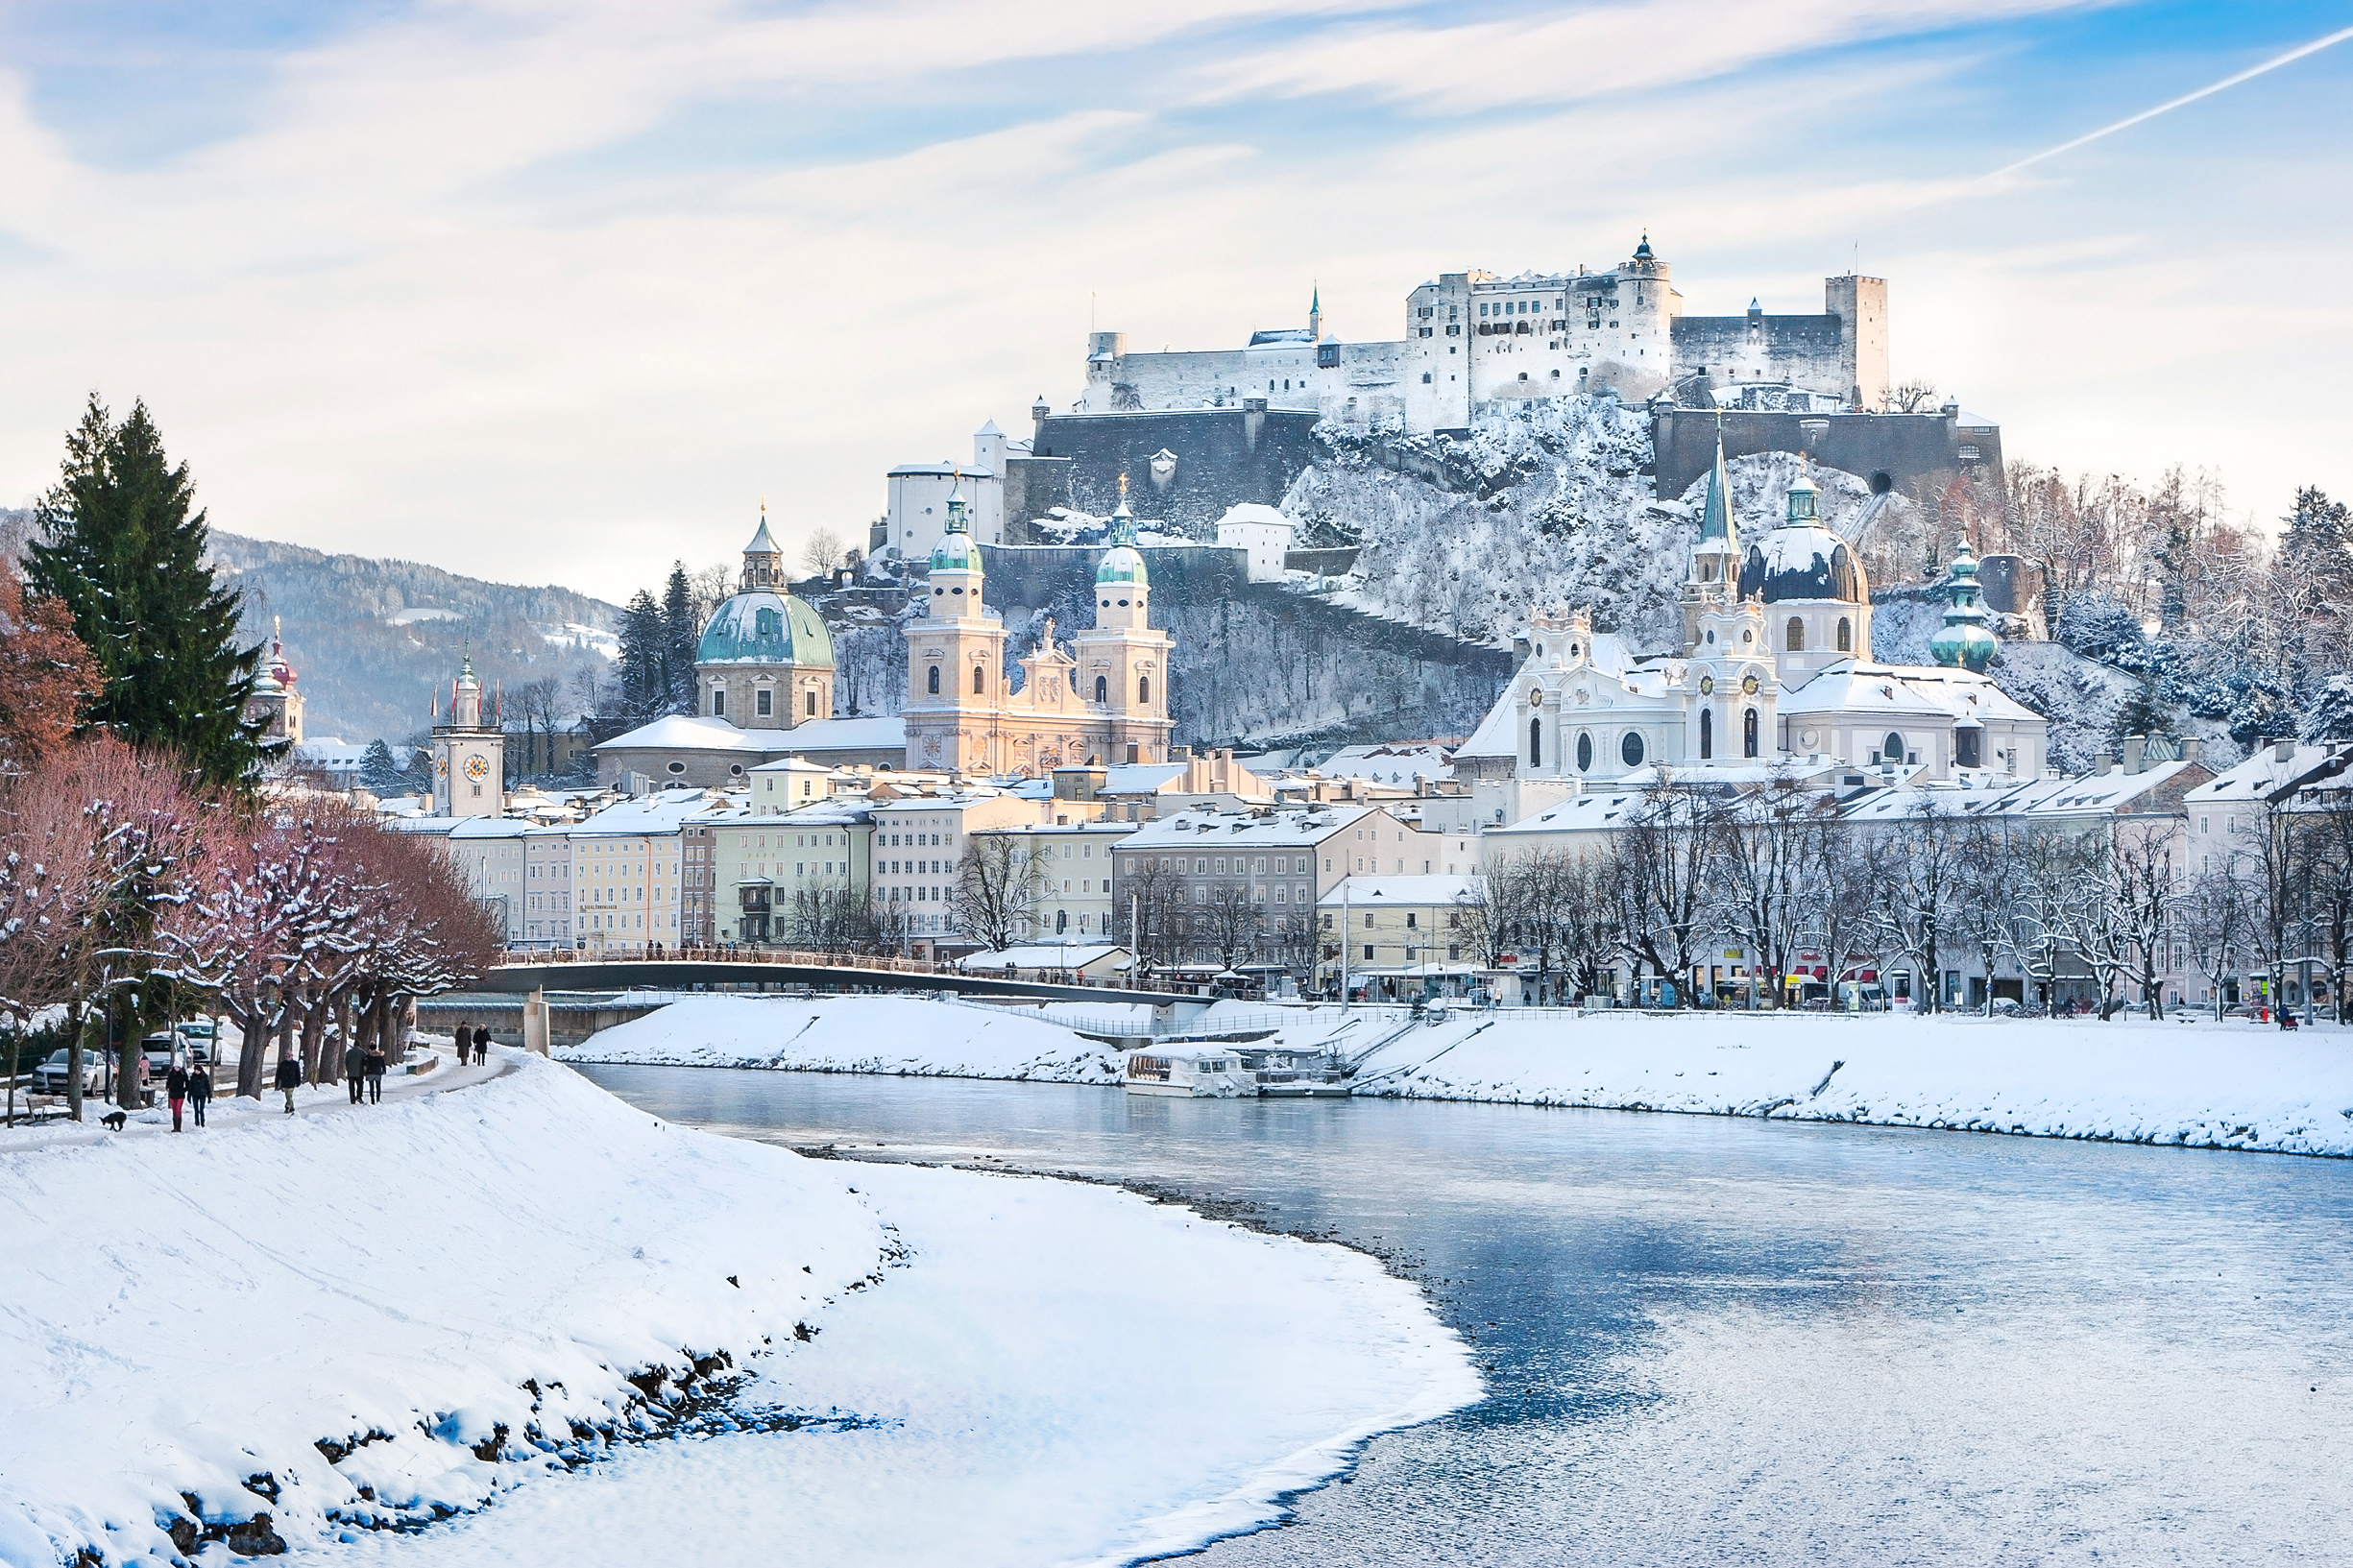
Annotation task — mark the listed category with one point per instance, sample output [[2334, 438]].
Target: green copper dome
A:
[[1963, 642], [760, 627], [957, 550], [1123, 563]]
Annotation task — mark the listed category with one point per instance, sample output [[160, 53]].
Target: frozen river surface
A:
[[1719, 1341]]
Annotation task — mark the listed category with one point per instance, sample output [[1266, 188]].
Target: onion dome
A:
[[957, 550], [1802, 559], [275, 671], [764, 627], [1123, 562], [1963, 642]]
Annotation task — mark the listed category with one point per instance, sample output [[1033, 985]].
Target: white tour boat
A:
[[1199, 1073]]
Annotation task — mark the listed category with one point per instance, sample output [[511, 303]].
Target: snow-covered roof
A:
[[685, 732], [1371, 892], [942, 471], [652, 814], [2266, 775], [1394, 763], [1246, 829], [1139, 777], [793, 764], [490, 827], [1254, 511], [331, 752], [1896, 692]]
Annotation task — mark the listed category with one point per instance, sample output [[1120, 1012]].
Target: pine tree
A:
[[122, 549], [681, 632], [2320, 534], [643, 681], [379, 774]]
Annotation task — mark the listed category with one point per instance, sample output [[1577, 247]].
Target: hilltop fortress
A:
[[1473, 341]]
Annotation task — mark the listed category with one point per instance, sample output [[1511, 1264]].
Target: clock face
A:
[[1707, 683], [440, 766], [477, 768], [1748, 684]]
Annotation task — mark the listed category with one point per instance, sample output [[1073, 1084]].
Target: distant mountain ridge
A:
[[373, 640]]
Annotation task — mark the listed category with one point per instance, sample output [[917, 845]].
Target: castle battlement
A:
[[1475, 340]]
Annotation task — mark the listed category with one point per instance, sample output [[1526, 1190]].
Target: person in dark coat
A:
[[463, 1040], [176, 1090], [375, 1063], [200, 1091], [354, 1068], [481, 1043], [289, 1078]]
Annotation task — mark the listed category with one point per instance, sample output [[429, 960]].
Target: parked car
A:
[[197, 1038], [52, 1076], [159, 1049]]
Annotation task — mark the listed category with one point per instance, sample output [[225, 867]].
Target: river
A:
[[1721, 1340]]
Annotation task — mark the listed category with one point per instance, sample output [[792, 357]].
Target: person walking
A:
[[289, 1078], [463, 1040], [200, 1091], [354, 1068], [375, 1065], [176, 1090], [481, 1043]]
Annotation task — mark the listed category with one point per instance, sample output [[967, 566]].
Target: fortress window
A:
[[1103, 688], [1797, 635], [1556, 373], [1748, 733], [1846, 635], [762, 702], [934, 681], [1425, 378]]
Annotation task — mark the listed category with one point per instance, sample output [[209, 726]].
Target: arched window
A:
[[1536, 742], [1631, 749], [976, 680], [1797, 635], [1103, 688], [1143, 688], [934, 681], [1585, 752], [1707, 734], [1892, 748], [1748, 733], [1846, 635]]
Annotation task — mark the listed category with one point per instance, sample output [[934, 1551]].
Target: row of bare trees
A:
[[129, 899], [1794, 884]]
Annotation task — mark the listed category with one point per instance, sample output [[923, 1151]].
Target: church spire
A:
[[1314, 315], [1716, 519]]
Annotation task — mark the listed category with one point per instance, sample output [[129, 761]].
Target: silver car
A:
[[52, 1076]]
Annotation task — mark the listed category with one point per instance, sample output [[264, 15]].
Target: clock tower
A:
[[469, 756]]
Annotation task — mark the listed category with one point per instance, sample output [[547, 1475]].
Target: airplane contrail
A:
[[2207, 91]]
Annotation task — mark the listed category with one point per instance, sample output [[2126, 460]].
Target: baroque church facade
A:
[[1775, 674], [1104, 701]]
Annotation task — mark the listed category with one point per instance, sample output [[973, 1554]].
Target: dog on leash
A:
[[115, 1120]]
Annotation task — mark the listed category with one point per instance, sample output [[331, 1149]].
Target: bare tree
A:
[[1983, 912], [1760, 842], [1911, 396], [1149, 904], [1230, 926], [2214, 927], [822, 551], [1660, 877], [1923, 883], [998, 884], [2144, 888], [2273, 862]]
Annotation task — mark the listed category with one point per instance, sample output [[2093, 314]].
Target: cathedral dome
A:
[[760, 627], [1802, 563], [1123, 564], [956, 552]]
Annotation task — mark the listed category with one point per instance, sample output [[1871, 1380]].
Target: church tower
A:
[[469, 756], [1123, 662], [1716, 559], [275, 702], [955, 659]]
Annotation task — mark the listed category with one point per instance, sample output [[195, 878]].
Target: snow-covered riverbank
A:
[[2232, 1085], [379, 1315]]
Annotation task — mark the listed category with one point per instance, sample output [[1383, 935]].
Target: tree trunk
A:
[[343, 1040], [314, 1039], [74, 1057], [253, 1045]]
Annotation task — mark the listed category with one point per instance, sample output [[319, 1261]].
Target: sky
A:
[[561, 292]]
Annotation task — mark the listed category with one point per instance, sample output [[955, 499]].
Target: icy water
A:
[[1713, 1341]]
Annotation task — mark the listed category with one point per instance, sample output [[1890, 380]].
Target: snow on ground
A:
[[182, 1313], [2236, 1085], [2230, 1085], [1065, 1373], [904, 1035], [374, 1315]]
